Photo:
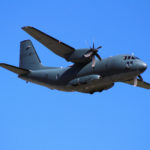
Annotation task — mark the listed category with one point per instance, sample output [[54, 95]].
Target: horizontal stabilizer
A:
[[14, 69], [51, 43], [140, 83]]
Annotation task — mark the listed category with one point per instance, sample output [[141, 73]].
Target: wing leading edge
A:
[[51, 43]]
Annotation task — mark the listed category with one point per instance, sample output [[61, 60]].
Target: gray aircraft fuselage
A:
[[84, 78], [86, 75]]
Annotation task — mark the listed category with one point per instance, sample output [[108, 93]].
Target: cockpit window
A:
[[125, 57], [129, 57], [132, 57], [131, 62]]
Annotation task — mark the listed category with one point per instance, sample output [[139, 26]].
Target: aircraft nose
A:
[[142, 66]]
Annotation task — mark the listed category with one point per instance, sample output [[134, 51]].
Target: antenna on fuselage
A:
[[132, 54]]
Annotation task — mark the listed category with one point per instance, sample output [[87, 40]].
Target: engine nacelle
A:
[[78, 56], [84, 80]]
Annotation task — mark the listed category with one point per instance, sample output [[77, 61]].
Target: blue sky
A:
[[34, 117]]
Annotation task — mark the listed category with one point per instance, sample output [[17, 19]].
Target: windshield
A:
[[129, 57]]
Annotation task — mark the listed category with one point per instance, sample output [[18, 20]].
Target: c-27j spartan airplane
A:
[[86, 75]]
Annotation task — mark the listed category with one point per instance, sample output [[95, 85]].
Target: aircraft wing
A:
[[51, 43], [140, 83], [14, 69]]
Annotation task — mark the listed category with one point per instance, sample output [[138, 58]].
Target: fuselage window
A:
[[125, 57], [127, 65], [131, 62]]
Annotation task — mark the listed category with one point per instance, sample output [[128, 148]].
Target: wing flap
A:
[[140, 83], [14, 69], [51, 43]]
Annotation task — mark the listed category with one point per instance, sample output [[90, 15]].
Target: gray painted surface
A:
[[81, 76]]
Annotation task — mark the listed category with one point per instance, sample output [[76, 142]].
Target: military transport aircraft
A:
[[87, 74]]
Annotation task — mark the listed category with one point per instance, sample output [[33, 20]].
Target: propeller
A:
[[136, 81], [92, 53]]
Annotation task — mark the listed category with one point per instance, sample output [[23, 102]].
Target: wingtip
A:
[[1, 64], [25, 27]]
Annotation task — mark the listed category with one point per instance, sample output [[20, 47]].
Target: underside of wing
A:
[[140, 83], [51, 43]]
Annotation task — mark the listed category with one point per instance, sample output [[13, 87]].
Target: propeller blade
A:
[[135, 81], [92, 53], [98, 57], [99, 47], [93, 44], [88, 54], [140, 77], [93, 61]]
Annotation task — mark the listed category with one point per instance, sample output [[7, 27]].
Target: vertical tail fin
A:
[[28, 56]]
